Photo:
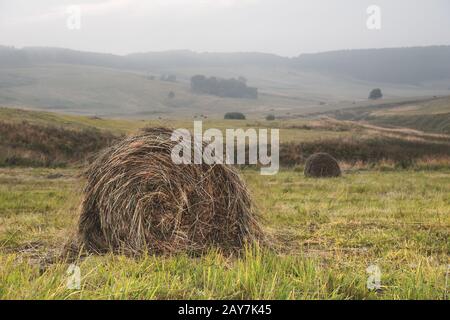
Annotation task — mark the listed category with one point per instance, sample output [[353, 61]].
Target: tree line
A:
[[232, 88]]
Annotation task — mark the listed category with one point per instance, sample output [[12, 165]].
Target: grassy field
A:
[[107, 92], [43, 139], [89, 90], [431, 115], [325, 234]]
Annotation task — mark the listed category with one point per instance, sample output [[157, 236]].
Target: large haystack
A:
[[136, 199], [322, 165]]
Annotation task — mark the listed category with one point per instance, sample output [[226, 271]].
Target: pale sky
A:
[[284, 27]]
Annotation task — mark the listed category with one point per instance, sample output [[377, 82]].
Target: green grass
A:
[[69, 121], [437, 123], [290, 130], [325, 233], [432, 115], [430, 107]]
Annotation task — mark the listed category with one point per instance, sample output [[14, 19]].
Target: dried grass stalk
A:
[[136, 199]]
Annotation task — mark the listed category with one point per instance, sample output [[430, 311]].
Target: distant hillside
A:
[[139, 61], [130, 86], [185, 58], [399, 65], [428, 116], [12, 57], [90, 90]]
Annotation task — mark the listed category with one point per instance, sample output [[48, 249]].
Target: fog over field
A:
[[282, 27], [108, 57], [136, 85], [225, 149]]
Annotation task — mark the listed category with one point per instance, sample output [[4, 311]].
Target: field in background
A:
[[55, 140], [107, 92], [431, 115], [324, 233]]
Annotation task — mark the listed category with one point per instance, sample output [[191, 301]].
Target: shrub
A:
[[26, 144], [234, 116]]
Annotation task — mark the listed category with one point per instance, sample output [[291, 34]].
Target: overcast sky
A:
[[285, 27]]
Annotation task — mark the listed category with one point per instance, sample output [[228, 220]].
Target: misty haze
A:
[[322, 172]]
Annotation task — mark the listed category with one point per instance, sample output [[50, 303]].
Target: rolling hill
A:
[[415, 66], [129, 86], [432, 115]]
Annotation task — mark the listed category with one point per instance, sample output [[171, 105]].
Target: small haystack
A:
[[136, 200], [322, 165]]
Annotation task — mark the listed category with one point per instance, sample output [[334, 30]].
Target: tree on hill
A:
[[232, 88], [376, 94]]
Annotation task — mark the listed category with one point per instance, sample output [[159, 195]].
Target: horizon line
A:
[[220, 52]]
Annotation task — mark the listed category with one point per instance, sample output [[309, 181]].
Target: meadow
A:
[[322, 234], [122, 93]]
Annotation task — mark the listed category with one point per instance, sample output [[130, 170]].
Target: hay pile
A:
[[322, 165], [136, 200]]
